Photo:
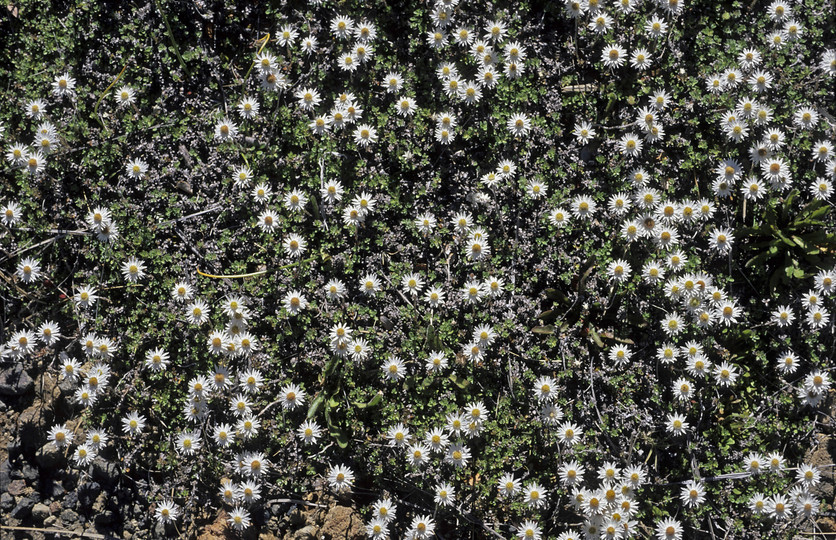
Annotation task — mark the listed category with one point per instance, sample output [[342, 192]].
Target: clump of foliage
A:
[[533, 270]]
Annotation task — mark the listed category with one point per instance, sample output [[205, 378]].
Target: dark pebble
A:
[[24, 508], [68, 517], [105, 472], [53, 489], [14, 381], [7, 502], [16, 487], [5, 475], [30, 473]]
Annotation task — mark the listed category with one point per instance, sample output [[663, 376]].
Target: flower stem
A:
[[171, 37], [96, 108]]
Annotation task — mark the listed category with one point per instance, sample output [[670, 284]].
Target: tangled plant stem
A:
[[324, 256]]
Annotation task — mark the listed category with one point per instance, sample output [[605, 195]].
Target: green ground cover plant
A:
[[458, 269]]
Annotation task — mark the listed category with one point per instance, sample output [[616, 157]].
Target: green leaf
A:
[[590, 266], [315, 405], [596, 338], [372, 402], [339, 435], [330, 366], [315, 207], [546, 330], [548, 316], [461, 382], [813, 210], [770, 216], [556, 295], [758, 259], [783, 238]]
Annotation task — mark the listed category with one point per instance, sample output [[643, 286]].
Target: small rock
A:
[[67, 386], [14, 381], [159, 530], [68, 517], [13, 448], [23, 508], [342, 522], [101, 503], [305, 533], [48, 389], [40, 512], [5, 475], [105, 472], [16, 487], [31, 422], [586, 153], [34, 416], [53, 490], [51, 522], [7, 502], [184, 186], [48, 456], [71, 500], [30, 473], [217, 529]]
